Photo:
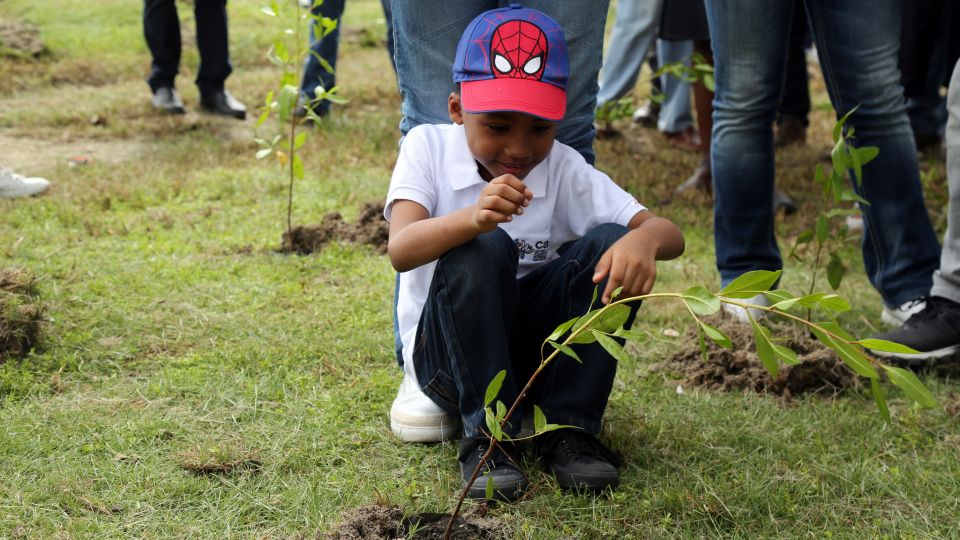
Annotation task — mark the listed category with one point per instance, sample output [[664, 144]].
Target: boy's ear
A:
[[454, 108]]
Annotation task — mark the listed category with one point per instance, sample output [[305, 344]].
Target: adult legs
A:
[[749, 39], [900, 248], [212, 42], [634, 33], [325, 47], [946, 280], [675, 111], [161, 27]]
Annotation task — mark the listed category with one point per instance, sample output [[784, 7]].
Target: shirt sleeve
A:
[[590, 198], [413, 177]]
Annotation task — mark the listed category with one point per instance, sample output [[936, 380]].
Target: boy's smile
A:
[[504, 142]]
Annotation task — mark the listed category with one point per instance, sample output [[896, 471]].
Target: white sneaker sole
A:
[[423, 429], [929, 355]]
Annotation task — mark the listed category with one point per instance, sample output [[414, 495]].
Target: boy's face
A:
[[504, 142]]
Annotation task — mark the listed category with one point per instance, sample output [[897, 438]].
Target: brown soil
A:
[[21, 313], [377, 522], [739, 369], [20, 39], [370, 228]]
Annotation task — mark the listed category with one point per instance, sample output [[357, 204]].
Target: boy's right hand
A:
[[504, 197]]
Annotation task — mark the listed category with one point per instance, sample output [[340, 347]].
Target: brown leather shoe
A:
[[688, 139]]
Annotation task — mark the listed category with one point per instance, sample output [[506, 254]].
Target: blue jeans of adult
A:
[[634, 32], [675, 115], [858, 56], [314, 74], [426, 34], [480, 319]]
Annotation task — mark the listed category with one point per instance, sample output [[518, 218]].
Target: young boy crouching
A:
[[500, 235]]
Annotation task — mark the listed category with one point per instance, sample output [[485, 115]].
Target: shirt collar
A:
[[463, 172]]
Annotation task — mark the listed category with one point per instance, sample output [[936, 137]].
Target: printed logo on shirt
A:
[[537, 250]]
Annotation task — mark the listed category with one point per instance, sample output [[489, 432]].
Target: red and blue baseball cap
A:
[[513, 59]]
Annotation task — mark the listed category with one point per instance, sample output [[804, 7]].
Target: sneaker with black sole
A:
[[934, 332], [509, 483], [578, 460]]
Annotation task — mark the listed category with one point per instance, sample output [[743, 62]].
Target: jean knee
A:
[[488, 255], [601, 237]]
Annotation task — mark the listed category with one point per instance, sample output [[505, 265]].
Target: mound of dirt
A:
[[739, 369], [21, 313], [18, 39], [370, 228], [376, 522]]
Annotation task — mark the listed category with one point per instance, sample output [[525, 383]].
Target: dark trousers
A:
[[930, 44], [795, 99], [480, 319], [161, 26]]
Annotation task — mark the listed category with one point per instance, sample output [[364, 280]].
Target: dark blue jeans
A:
[[858, 55], [480, 319]]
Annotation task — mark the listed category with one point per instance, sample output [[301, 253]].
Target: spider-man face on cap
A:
[[518, 50]]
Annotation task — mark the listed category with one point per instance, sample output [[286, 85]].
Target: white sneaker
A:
[[896, 316], [739, 314], [16, 185], [416, 418]]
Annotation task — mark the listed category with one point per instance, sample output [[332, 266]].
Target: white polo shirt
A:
[[437, 170]]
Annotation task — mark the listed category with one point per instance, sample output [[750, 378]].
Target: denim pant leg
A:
[[795, 99], [427, 33], [569, 392], [464, 331], [161, 28], [314, 74], [900, 247], [946, 281], [634, 33], [212, 42], [749, 39], [675, 113]]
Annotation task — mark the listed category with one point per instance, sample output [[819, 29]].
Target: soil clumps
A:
[[375, 522], [19, 39], [370, 228], [819, 371], [21, 314]]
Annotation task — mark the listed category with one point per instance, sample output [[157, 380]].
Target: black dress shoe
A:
[[223, 103], [167, 100]]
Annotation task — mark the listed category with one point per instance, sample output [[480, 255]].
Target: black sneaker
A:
[[934, 332], [508, 482], [578, 460]]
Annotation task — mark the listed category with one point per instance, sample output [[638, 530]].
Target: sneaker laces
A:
[[576, 443], [479, 446]]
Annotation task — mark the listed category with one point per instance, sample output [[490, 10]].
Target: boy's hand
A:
[[504, 197], [630, 263]]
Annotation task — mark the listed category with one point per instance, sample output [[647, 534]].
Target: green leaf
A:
[[326, 65], [611, 346], [879, 399], [911, 385], [268, 11], [501, 411], [819, 177], [263, 117], [608, 319], [764, 348], [280, 51], [539, 420], [857, 165], [562, 329], [835, 271], [297, 167], [849, 354], [567, 350], [805, 237], [781, 299], [751, 283], [287, 100], [496, 432], [299, 140], [838, 127], [488, 490], [831, 302], [786, 354], [493, 389], [264, 153], [616, 293], [630, 335], [867, 153], [716, 335], [886, 346], [848, 195], [822, 228], [701, 301]]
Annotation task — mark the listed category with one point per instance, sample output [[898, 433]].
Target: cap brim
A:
[[528, 96]]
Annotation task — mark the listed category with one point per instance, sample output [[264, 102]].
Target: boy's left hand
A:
[[630, 263]]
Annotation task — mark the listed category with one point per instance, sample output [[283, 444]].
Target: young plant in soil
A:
[[286, 141], [830, 231], [605, 325]]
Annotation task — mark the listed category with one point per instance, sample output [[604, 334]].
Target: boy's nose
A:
[[519, 148]]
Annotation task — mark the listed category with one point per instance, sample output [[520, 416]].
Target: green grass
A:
[[177, 334]]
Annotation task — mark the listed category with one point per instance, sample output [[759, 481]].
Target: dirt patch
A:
[[21, 313], [370, 228], [226, 458], [377, 522], [19, 40], [739, 369]]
